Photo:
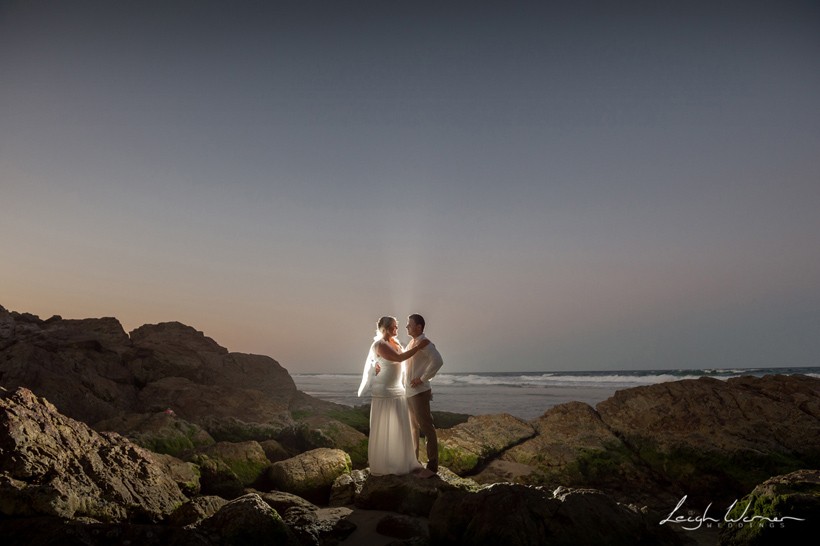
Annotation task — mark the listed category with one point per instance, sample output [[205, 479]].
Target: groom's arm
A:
[[434, 363]]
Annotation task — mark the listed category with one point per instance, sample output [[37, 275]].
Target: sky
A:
[[555, 186]]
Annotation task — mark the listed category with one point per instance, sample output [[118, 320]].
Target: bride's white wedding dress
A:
[[390, 449]]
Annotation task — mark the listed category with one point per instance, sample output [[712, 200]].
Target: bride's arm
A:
[[387, 352]]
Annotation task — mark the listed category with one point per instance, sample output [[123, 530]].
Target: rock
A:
[[403, 527], [94, 372], [321, 431], [718, 439], [274, 451], [221, 409], [160, 432], [763, 516], [76, 364], [197, 509], [53, 465], [245, 459], [513, 515], [185, 474], [247, 520], [464, 447], [217, 478], [347, 486], [282, 501], [310, 475], [55, 531], [407, 494], [574, 447], [322, 526]]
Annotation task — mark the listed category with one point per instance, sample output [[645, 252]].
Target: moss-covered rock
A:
[[310, 475], [161, 432], [465, 446], [231, 429], [317, 431], [216, 478], [248, 520], [781, 510], [246, 460]]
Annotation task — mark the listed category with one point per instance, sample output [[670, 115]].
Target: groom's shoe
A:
[[432, 465]]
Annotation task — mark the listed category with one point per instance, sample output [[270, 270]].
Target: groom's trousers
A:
[[421, 420]]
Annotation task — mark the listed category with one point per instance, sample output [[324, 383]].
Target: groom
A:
[[420, 369]]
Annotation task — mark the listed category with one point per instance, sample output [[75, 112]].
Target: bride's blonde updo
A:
[[382, 325]]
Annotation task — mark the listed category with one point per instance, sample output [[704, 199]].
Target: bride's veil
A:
[[369, 368]]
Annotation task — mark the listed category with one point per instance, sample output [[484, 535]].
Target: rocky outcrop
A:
[[711, 440], [409, 494], [346, 487], [94, 372], [466, 446], [311, 474], [247, 520], [513, 515], [706, 436], [781, 510], [574, 447], [318, 431], [55, 466], [246, 460], [161, 432]]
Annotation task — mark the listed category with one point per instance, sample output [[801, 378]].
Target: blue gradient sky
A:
[[555, 186]]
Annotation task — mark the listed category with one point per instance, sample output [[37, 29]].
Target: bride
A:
[[390, 449]]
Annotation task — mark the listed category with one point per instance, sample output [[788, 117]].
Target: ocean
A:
[[526, 395]]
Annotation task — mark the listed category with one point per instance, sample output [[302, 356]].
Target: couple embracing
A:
[[399, 381]]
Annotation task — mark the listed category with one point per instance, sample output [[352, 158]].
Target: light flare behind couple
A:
[[399, 383]]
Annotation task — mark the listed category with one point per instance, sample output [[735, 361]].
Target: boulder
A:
[[185, 474], [160, 432], [466, 446], [274, 451], [322, 431], [311, 474], [282, 501], [195, 510], [61, 532], [718, 439], [408, 494], [402, 527], [221, 409], [246, 460], [322, 526], [347, 486], [217, 478], [512, 514], [247, 520], [574, 447], [53, 465], [94, 372], [765, 516], [76, 364]]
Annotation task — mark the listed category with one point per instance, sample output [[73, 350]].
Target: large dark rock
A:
[[522, 515], [247, 520], [53, 465], [311, 474], [465, 446], [711, 440], [408, 494], [717, 439], [781, 510], [574, 447], [94, 372]]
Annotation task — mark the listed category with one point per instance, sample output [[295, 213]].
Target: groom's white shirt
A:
[[424, 365]]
